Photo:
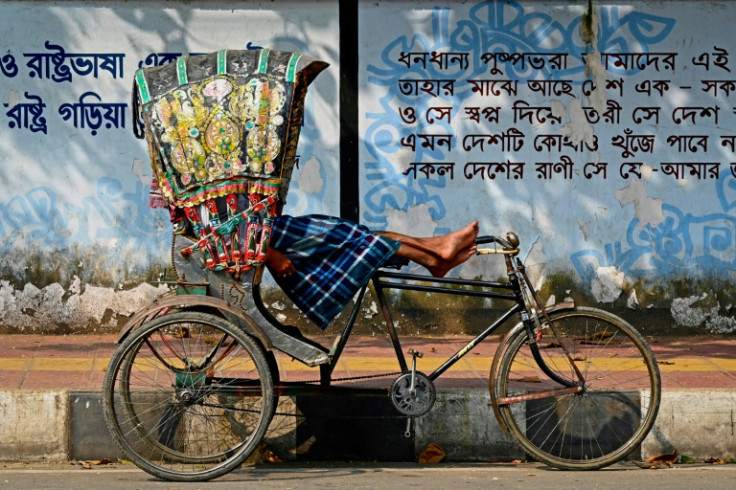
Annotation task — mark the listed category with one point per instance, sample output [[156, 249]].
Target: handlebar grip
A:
[[510, 242], [482, 240]]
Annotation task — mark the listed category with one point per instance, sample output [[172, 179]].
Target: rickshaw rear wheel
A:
[[188, 396]]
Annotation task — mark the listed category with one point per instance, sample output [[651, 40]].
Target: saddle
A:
[[222, 130]]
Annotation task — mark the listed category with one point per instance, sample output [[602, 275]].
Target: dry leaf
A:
[[432, 454], [272, 457], [601, 334], [713, 461], [663, 460], [259, 454], [87, 465]]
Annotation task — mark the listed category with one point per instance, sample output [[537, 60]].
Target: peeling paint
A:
[[578, 129], [416, 220], [74, 310], [370, 311], [646, 209], [310, 181], [535, 262], [141, 170], [702, 310], [594, 65], [585, 228], [278, 305], [608, 284], [632, 302]]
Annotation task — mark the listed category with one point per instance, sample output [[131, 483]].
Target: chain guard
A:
[[417, 403]]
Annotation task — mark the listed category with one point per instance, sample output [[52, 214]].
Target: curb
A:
[[60, 425]]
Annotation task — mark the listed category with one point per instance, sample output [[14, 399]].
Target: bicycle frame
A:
[[390, 280], [384, 279], [276, 334]]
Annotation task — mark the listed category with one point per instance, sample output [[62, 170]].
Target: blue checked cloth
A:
[[333, 257]]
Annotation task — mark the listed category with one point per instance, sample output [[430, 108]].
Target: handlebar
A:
[[510, 243]]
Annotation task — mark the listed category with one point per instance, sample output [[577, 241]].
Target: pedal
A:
[[407, 432]]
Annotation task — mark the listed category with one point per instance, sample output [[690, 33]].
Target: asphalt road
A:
[[374, 476]]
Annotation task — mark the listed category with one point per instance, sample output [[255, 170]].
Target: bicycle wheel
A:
[[188, 396], [617, 400]]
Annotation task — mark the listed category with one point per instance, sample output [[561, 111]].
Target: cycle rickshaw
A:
[[194, 383]]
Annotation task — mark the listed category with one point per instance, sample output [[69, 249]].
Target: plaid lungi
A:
[[333, 258]]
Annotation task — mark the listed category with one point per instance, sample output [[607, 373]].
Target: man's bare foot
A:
[[457, 241], [445, 266]]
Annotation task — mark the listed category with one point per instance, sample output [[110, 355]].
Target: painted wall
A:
[[605, 141], [79, 247]]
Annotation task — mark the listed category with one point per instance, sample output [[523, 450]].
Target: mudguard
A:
[[194, 302]]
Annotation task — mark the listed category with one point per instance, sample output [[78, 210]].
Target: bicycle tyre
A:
[[598, 426], [188, 396]]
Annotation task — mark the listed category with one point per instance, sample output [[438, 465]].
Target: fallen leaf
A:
[[663, 460], [666, 363], [601, 334], [259, 454], [713, 461], [432, 454], [272, 457]]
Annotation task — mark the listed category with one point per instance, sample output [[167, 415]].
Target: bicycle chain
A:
[[349, 378], [346, 417]]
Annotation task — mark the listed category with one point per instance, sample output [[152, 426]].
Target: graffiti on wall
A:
[[112, 216], [41, 221], [682, 244], [505, 97]]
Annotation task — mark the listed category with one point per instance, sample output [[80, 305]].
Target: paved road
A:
[[376, 476]]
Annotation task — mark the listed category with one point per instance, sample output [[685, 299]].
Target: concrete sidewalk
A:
[[51, 406]]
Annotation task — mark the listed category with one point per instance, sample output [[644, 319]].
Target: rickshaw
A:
[[191, 389]]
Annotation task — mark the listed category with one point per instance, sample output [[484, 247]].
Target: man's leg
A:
[[437, 266], [445, 247]]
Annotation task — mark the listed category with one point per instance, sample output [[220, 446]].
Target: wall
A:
[[603, 138], [79, 247]]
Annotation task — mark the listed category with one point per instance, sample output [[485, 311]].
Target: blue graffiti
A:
[[42, 221], [681, 245], [491, 27]]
